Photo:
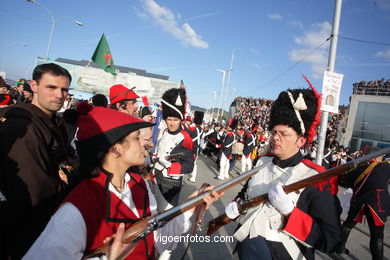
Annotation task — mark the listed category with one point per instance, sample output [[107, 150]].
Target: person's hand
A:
[[63, 172], [280, 200], [164, 162], [207, 198], [118, 250], [231, 210]]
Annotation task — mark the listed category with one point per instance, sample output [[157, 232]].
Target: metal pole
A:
[[53, 23], [331, 63], [230, 71], [213, 106], [220, 94]]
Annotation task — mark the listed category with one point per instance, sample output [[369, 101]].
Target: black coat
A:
[[32, 147], [371, 191]]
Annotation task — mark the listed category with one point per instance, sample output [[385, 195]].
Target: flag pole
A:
[[83, 74]]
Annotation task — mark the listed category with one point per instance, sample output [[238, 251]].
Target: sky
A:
[[274, 42]]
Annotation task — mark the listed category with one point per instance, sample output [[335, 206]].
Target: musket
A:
[[146, 171], [172, 157], [142, 228], [221, 220]]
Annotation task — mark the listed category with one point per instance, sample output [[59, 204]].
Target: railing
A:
[[371, 90]]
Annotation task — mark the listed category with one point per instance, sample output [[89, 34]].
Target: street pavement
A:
[[358, 242]]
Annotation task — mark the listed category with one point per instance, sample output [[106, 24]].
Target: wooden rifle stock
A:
[[221, 220], [132, 235], [143, 227]]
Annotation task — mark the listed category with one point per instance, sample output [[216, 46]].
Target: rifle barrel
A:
[[221, 220], [166, 215]]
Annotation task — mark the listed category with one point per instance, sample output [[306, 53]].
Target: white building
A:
[[92, 79]]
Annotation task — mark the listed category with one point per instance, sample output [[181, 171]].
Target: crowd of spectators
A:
[[251, 110], [374, 87], [257, 110]]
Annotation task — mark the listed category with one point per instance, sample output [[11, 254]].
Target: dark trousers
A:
[[170, 188], [376, 234], [253, 249]]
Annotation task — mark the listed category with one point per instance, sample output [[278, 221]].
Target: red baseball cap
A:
[[120, 92]]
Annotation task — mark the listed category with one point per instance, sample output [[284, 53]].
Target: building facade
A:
[[90, 78], [368, 122]]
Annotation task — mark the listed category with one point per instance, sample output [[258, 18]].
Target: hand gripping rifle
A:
[[221, 220], [143, 227], [147, 173]]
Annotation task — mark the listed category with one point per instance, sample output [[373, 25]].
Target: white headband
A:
[[173, 107], [298, 105]]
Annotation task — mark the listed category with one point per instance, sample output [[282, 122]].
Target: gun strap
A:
[[198, 216], [364, 173]]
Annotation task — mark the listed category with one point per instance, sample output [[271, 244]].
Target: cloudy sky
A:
[[274, 41]]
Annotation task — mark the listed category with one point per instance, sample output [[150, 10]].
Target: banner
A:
[[331, 88]]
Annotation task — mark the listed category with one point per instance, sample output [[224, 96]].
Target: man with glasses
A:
[[294, 225]]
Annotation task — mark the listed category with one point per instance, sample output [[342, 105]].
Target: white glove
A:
[[280, 200], [164, 162], [231, 210]]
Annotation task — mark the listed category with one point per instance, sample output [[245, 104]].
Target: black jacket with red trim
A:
[[371, 190], [195, 132], [249, 144], [185, 163], [227, 144]]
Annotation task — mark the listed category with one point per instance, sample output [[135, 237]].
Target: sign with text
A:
[[331, 88]]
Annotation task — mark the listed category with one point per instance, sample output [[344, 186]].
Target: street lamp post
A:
[[53, 23], [221, 94], [213, 103]]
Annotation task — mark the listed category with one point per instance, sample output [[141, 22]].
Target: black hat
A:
[[26, 87], [254, 127], [299, 109], [173, 103], [99, 100], [145, 111], [198, 117], [233, 123]]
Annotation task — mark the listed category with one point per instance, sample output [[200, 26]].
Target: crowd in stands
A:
[[374, 87], [252, 110], [249, 111]]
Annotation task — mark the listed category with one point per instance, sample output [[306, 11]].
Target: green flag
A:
[[103, 57]]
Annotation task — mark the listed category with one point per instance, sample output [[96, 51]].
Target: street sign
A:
[[331, 88]]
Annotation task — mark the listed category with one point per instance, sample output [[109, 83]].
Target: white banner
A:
[[331, 88]]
